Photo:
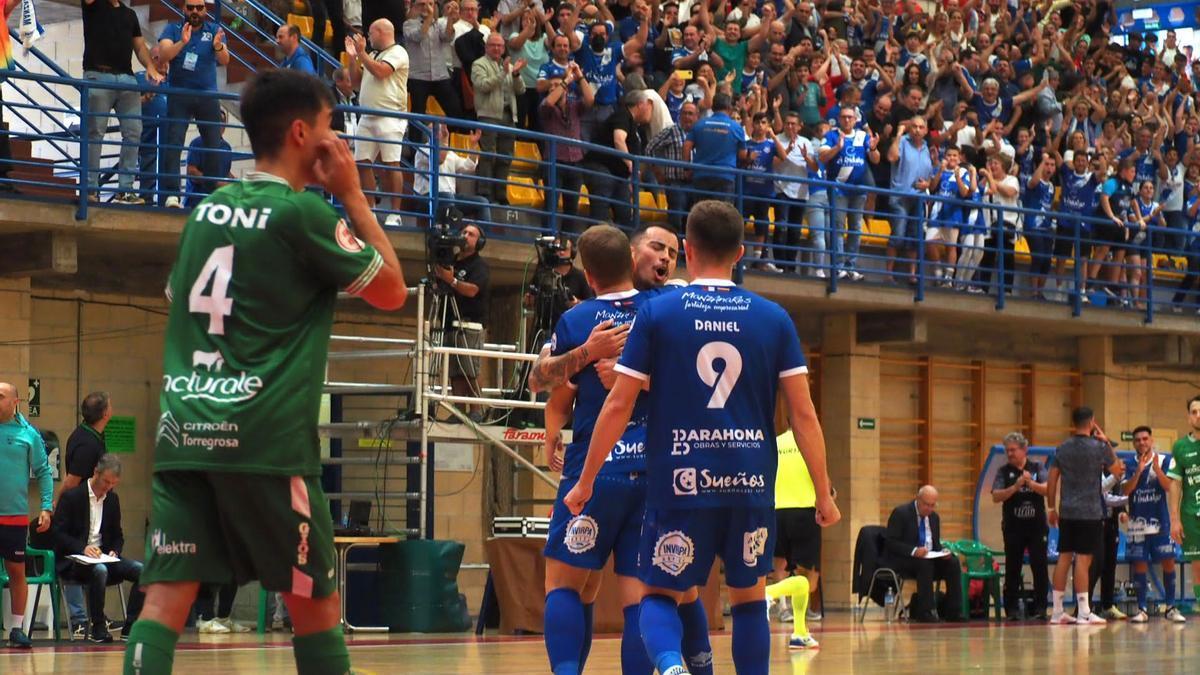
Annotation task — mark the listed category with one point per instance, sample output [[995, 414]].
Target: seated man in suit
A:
[[914, 534], [88, 522]]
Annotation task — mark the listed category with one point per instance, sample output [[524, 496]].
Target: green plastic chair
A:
[[47, 577], [979, 565]]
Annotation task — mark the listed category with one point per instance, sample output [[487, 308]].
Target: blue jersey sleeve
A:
[[636, 358], [1110, 187]]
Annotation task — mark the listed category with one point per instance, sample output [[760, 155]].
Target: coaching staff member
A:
[[86, 444], [913, 534], [1020, 486], [469, 282]]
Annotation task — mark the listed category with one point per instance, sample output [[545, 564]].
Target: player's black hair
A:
[[1138, 430], [715, 229], [94, 406], [604, 250], [721, 103], [1194, 399], [276, 98], [1081, 416], [642, 231]]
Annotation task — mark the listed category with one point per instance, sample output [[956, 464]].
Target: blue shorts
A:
[[1151, 547], [679, 546], [611, 522]]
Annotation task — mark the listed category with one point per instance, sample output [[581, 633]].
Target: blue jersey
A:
[[572, 331], [1147, 166], [299, 60], [195, 67], [1193, 243], [1148, 503], [156, 108], [1026, 165], [716, 141], [762, 154], [975, 220], [714, 354], [1120, 198], [553, 71], [674, 103], [1001, 110], [950, 213], [1038, 198], [850, 164], [601, 71], [1079, 193]]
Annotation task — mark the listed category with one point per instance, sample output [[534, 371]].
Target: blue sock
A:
[[588, 615], [662, 632], [564, 630], [696, 648], [1139, 586], [634, 660], [1169, 588], [751, 638]]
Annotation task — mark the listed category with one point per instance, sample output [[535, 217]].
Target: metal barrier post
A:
[[1080, 272], [636, 197], [998, 271], [85, 152], [1148, 279], [435, 161], [551, 160], [919, 294]]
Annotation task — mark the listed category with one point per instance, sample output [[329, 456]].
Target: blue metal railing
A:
[[818, 238]]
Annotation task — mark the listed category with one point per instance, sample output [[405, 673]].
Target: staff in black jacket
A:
[[87, 522], [1021, 486], [913, 534]]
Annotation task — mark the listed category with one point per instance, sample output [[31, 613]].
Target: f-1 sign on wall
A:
[[1143, 16]]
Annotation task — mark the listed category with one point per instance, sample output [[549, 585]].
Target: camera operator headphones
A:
[[562, 239], [482, 241]]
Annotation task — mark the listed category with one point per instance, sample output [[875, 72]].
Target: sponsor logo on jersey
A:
[[581, 534], [725, 435], [210, 382], [738, 482], [707, 300], [754, 544], [685, 481], [302, 547], [717, 326], [346, 239], [623, 449], [1025, 511], [168, 429], [207, 435], [160, 545], [222, 214], [673, 552]]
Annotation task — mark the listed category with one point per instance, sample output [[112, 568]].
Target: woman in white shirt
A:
[[1003, 190], [451, 166]]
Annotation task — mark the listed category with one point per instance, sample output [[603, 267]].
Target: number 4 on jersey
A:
[[723, 381], [217, 305]]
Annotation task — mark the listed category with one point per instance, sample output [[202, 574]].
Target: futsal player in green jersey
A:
[[1184, 497], [236, 492]]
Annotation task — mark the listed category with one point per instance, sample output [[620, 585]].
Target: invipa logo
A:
[[673, 552], [581, 534], [160, 545], [168, 429]]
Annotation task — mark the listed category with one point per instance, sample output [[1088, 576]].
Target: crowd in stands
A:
[[916, 122]]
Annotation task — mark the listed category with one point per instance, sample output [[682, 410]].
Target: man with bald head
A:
[[380, 73], [22, 454], [914, 549]]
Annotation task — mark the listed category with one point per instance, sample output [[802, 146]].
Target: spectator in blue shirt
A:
[[845, 151], [201, 158], [715, 145], [154, 111], [601, 61], [294, 56], [1190, 284], [195, 47], [912, 169]]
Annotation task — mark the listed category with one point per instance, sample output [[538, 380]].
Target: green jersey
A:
[[1185, 467], [252, 299]]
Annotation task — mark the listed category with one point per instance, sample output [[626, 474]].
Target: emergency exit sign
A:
[[866, 423]]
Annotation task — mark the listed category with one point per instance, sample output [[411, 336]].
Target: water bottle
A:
[[1021, 608], [888, 602]]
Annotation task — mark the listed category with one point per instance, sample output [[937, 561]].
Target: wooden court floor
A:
[[873, 647]]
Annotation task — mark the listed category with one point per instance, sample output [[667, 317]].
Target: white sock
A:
[[19, 621], [1058, 600], [1081, 601]]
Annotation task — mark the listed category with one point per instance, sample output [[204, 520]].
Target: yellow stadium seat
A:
[[345, 58], [651, 210], [460, 141], [304, 23], [432, 107], [876, 232], [526, 157], [525, 193]]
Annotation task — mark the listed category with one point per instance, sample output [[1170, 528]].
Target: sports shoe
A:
[[1175, 616], [79, 632], [1139, 617], [803, 642], [1114, 614], [1062, 619], [211, 627], [19, 640], [128, 198], [1092, 619], [173, 203], [856, 275], [393, 219], [786, 615], [100, 635], [842, 274], [820, 274], [234, 626], [813, 616]]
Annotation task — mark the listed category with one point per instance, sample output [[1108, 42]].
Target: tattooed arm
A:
[[550, 372]]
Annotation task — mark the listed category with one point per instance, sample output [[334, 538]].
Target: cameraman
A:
[[571, 277], [469, 280]]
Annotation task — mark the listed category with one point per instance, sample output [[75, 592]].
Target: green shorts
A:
[[1191, 537], [221, 527]]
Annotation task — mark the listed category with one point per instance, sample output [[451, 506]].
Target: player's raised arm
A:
[[807, 429], [611, 423]]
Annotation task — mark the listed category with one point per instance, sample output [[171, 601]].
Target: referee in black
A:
[[1020, 486]]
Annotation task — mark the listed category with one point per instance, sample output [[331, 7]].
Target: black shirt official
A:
[[84, 448], [1020, 488], [473, 270]]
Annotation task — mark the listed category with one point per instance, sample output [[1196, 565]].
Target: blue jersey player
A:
[[712, 357], [578, 546], [1146, 486]]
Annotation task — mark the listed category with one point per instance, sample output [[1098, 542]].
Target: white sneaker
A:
[[1139, 617], [234, 626], [786, 615], [1061, 619], [770, 267], [1092, 619], [820, 274], [128, 198], [1175, 616], [856, 276], [803, 642], [842, 274], [212, 627], [173, 203], [393, 219]]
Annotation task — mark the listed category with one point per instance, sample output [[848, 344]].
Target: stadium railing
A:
[[539, 194]]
